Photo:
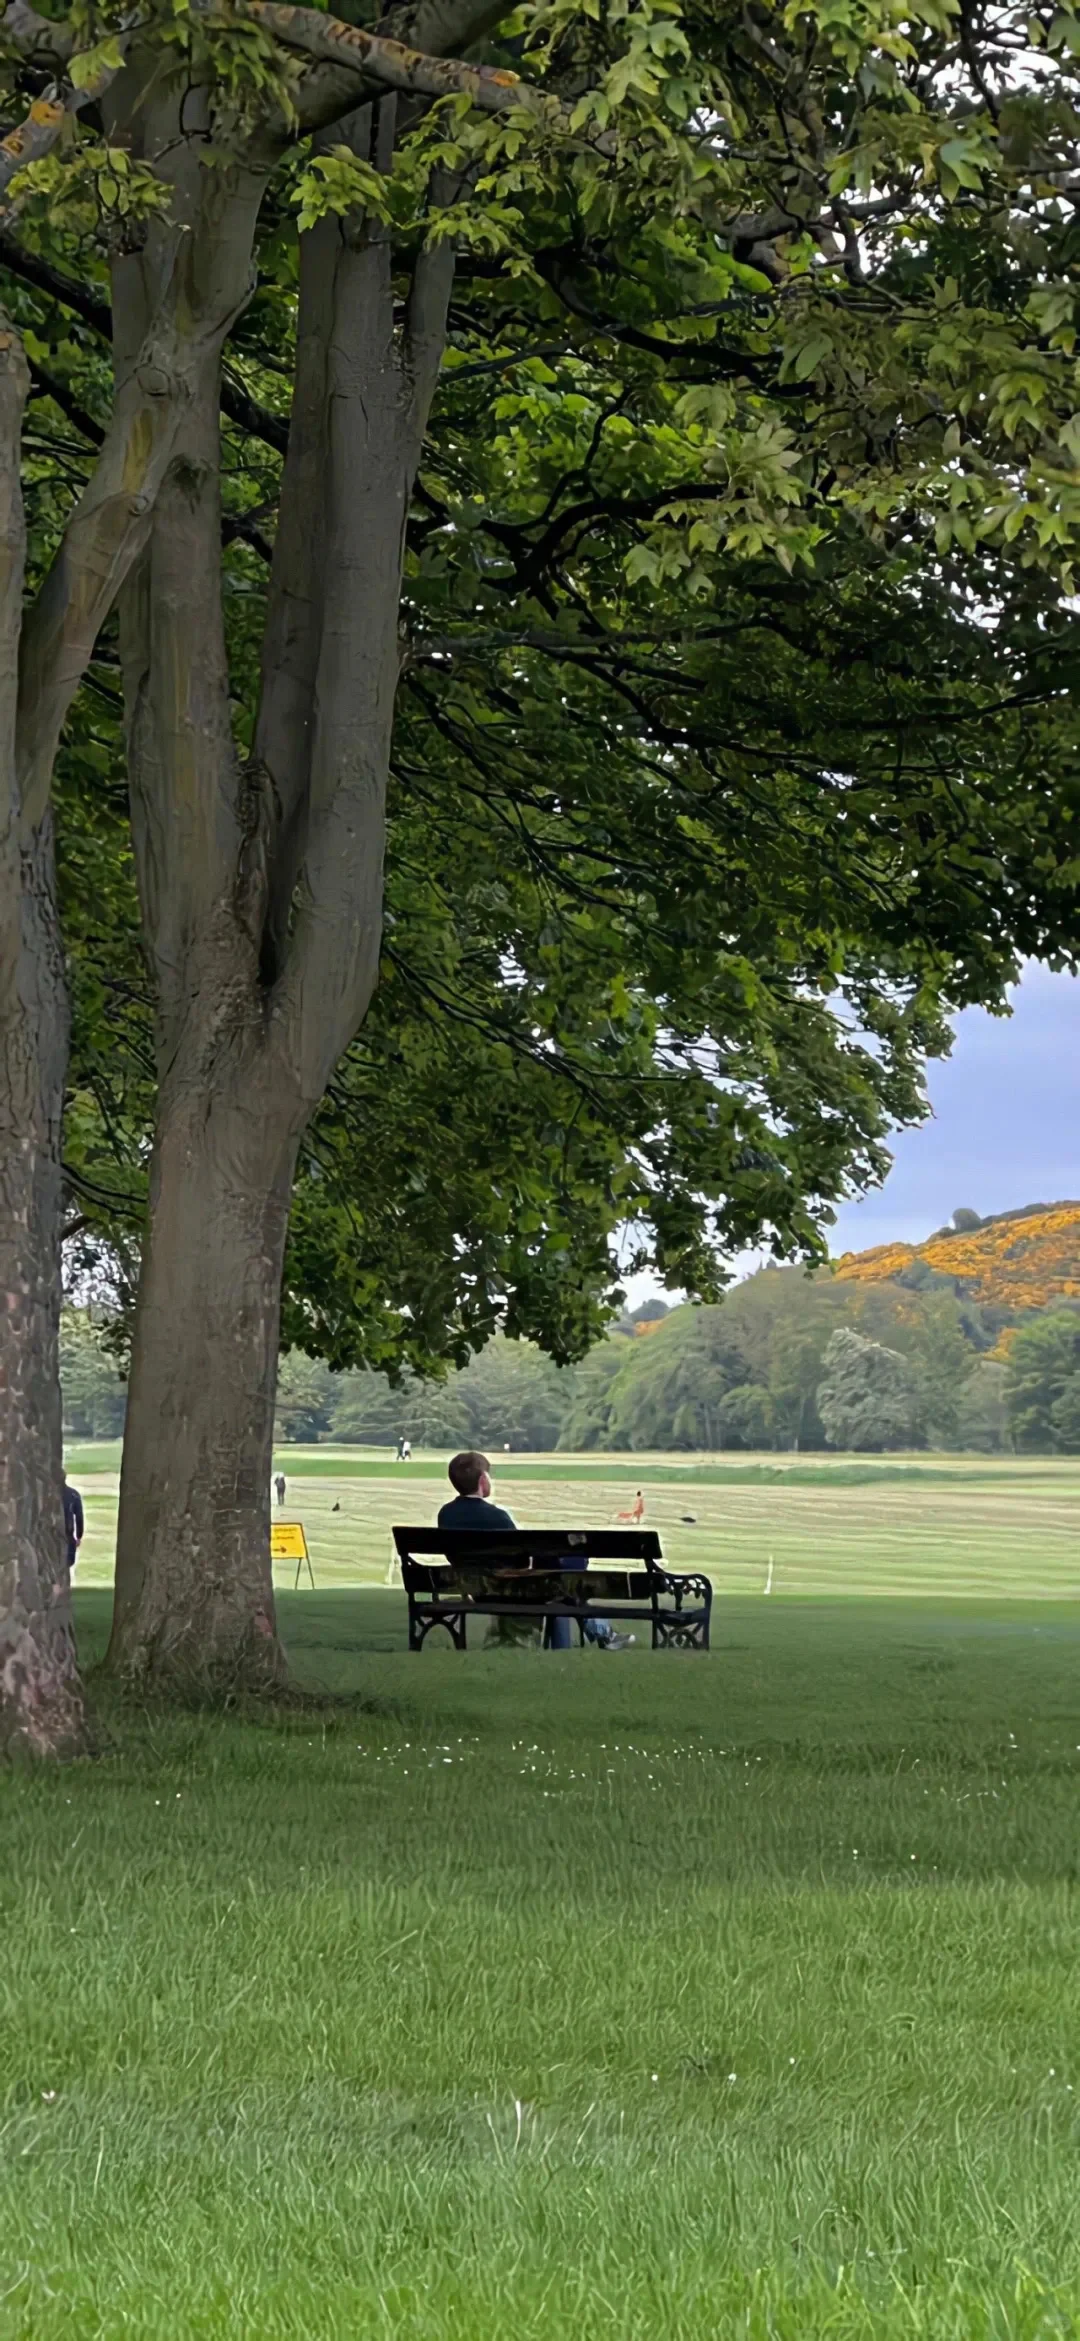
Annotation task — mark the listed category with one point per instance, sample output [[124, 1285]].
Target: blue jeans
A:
[[559, 1632]]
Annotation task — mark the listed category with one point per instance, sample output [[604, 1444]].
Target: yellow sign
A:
[[287, 1541]]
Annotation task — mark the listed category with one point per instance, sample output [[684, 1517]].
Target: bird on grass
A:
[[335, 1507], [689, 1519]]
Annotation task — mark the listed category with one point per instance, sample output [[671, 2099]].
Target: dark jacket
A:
[[73, 1522], [476, 1513]]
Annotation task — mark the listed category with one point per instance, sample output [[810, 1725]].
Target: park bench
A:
[[539, 1573]]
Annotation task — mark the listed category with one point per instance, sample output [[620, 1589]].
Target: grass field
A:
[[569, 1998], [1003, 1528], [574, 1997]]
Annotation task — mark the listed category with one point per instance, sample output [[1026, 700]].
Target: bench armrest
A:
[[683, 1587]]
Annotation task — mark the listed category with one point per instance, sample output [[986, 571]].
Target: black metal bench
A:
[[540, 1573]]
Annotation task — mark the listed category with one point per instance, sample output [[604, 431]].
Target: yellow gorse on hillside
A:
[[1021, 1260]]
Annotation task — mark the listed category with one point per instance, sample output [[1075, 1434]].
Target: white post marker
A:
[[288, 1543], [768, 1580]]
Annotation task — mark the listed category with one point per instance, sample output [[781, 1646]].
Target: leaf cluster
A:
[[734, 747]]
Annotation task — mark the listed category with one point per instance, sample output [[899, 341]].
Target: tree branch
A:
[[236, 401], [31, 35], [246, 412], [425, 321], [37, 134], [104, 536], [48, 385], [330, 42], [375, 388], [440, 27], [388, 64], [108, 528], [14, 386], [71, 291]]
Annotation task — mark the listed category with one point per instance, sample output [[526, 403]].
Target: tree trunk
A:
[[194, 1599], [41, 1709], [262, 902], [194, 1593], [171, 352]]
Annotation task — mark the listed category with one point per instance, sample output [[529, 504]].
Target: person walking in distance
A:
[[636, 1514], [279, 1488], [73, 1536]]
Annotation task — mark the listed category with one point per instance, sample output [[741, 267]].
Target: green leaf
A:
[[812, 354], [89, 66]]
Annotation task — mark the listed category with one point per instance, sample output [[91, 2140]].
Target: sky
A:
[[1005, 1128]]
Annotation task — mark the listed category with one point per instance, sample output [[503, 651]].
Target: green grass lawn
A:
[[572, 1996], [932, 1525]]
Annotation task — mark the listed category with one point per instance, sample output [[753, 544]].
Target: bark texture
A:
[[42, 660], [194, 1599], [261, 891], [160, 377], [41, 1708]]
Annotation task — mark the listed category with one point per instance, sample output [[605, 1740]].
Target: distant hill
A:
[[1015, 1260]]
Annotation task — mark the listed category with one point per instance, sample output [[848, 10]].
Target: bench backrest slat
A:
[[537, 1548]]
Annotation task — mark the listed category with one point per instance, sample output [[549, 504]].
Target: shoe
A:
[[619, 1642]]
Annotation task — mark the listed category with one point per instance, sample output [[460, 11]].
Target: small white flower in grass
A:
[[733, 2076], [48, 2097], [656, 2076]]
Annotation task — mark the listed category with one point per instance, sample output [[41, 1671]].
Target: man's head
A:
[[469, 1474]]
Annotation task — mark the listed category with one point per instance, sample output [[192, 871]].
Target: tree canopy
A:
[[1042, 1383], [600, 634], [866, 1399]]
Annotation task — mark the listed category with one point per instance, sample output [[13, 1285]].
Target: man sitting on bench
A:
[[471, 1508]]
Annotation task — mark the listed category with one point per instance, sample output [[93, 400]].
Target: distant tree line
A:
[[95, 1394], [787, 1363]]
